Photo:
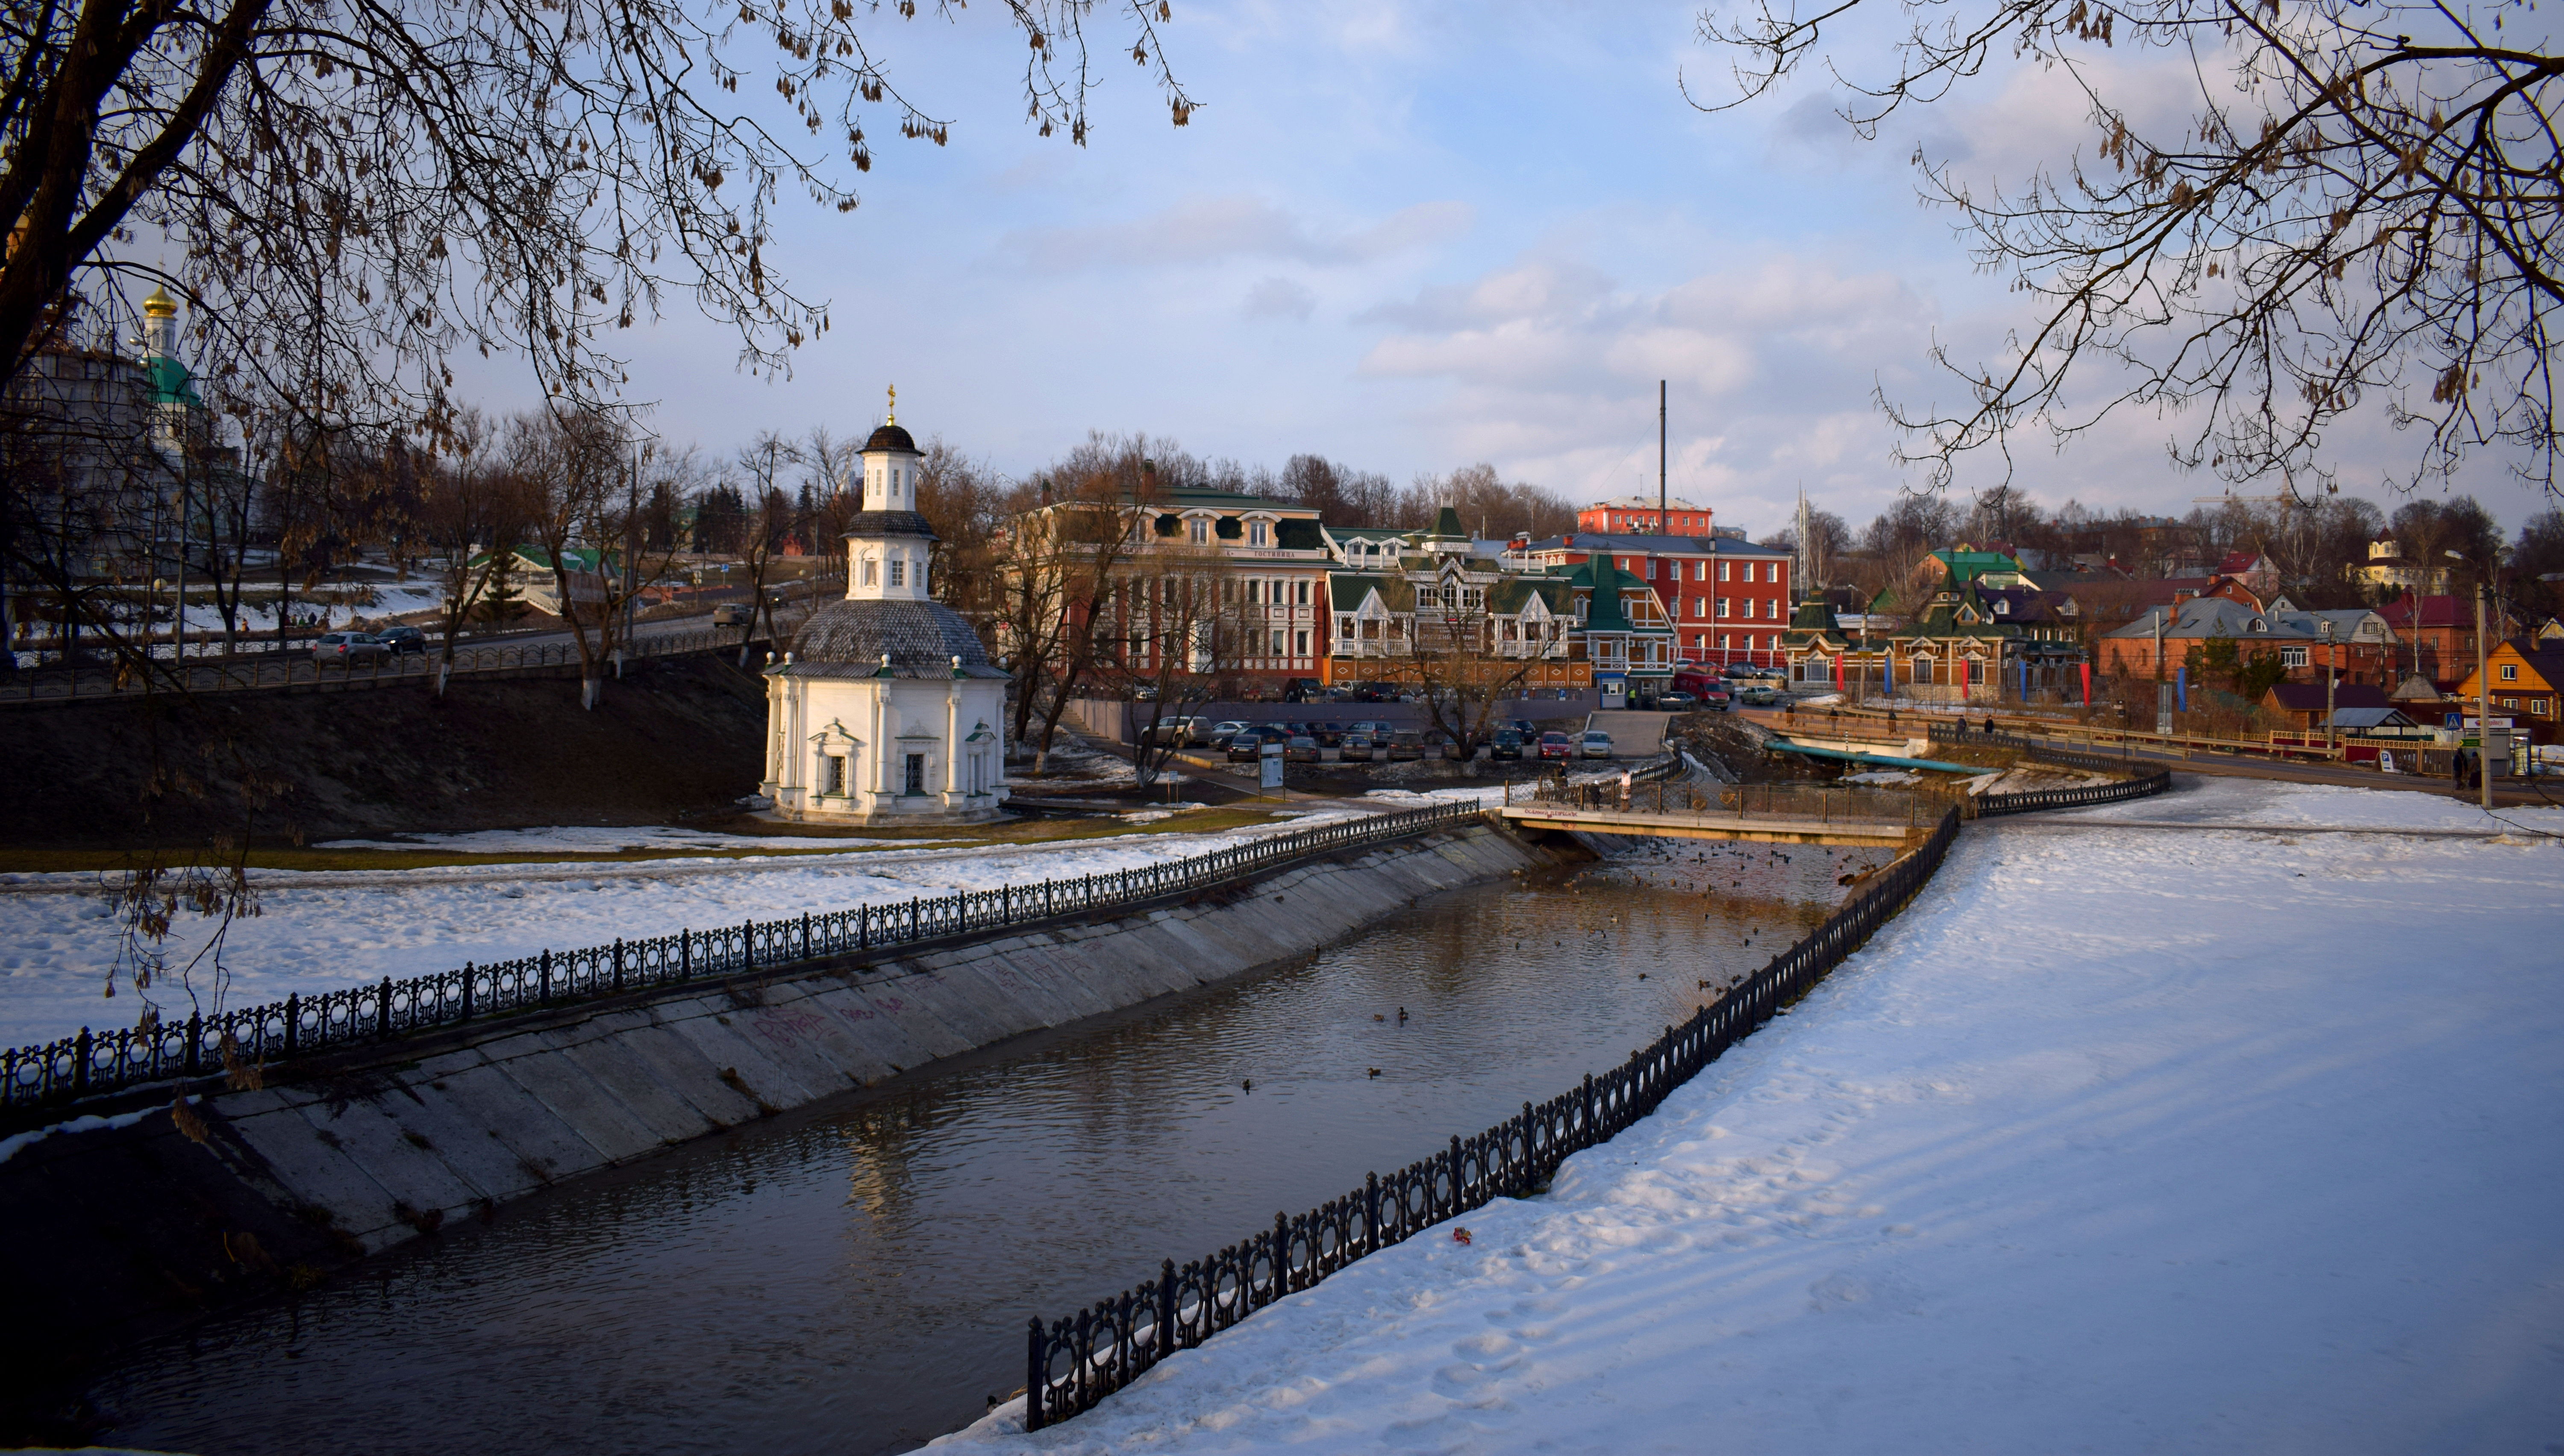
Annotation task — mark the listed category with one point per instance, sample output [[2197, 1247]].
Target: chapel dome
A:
[[922, 638], [891, 437]]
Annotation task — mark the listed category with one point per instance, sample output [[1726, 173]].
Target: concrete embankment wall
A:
[[105, 1234]]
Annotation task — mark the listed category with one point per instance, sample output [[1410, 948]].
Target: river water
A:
[[855, 1278]]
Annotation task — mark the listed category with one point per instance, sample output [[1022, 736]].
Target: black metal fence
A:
[[97, 1062], [1074, 1363], [1992, 805]]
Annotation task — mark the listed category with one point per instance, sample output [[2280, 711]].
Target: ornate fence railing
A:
[[1073, 1363], [1987, 806], [2030, 800], [96, 1062]]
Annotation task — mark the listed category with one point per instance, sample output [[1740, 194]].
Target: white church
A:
[[886, 711]]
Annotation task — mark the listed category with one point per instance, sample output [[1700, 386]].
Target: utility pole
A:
[[1664, 526], [2332, 681], [2483, 703]]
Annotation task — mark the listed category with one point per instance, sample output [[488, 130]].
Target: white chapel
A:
[[886, 711]]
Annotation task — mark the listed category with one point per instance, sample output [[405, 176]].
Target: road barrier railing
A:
[[250, 671], [92, 1063], [1072, 1363]]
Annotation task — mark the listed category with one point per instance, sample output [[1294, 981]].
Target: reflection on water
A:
[[856, 1278]]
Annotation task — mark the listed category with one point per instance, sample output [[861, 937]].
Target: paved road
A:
[[2504, 795], [274, 670]]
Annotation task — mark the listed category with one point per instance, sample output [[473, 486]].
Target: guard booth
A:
[[1615, 688]]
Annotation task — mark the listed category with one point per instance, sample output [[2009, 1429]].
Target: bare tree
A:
[[2357, 214], [472, 515], [582, 510], [769, 520]]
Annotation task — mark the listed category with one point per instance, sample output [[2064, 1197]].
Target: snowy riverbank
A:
[[322, 931], [2118, 1140]]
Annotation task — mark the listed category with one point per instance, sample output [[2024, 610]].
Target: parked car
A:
[[1372, 727], [1735, 670], [1376, 692], [1508, 744], [1356, 748], [1341, 693], [1300, 750], [1522, 725], [1555, 745], [1328, 734], [1757, 694], [1304, 689], [1228, 728], [347, 649], [1676, 701], [1404, 746], [1173, 730], [732, 614], [1715, 696], [1595, 745], [403, 638], [1246, 747], [1145, 693]]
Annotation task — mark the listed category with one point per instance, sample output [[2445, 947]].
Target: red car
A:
[[1557, 746]]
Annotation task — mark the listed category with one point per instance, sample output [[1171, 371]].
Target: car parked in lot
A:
[[346, 649], [1404, 746], [1555, 744], [1246, 747], [1356, 748], [1300, 750], [1676, 701], [1180, 731], [1228, 728], [1371, 725], [1507, 745], [732, 614], [1595, 745], [1757, 694], [1328, 734], [1524, 727], [1715, 696], [403, 638]]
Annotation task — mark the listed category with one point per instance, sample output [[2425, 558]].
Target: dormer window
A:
[[1258, 533], [899, 572], [1197, 530], [2003, 606]]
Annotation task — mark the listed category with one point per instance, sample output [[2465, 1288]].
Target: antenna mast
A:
[[1664, 526]]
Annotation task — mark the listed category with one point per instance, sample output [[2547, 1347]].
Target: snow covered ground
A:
[[322, 931], [2118, 1140]]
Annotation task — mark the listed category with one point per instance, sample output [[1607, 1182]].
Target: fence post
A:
[[747, 944], [543, 973], [1036, 1370], [294, 1017], [196, 1041], [618, 962], [79, 1053], [806, 935], [1167, 1310], [382, 1010], [467, 1002]]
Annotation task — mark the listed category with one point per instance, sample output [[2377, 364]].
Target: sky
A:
[[1412, 235]]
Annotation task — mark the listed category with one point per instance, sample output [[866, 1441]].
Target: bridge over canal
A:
[[1757, 813]]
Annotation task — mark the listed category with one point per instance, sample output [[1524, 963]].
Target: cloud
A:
[[1217, 229], [1549, 367], [1280, 297]]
